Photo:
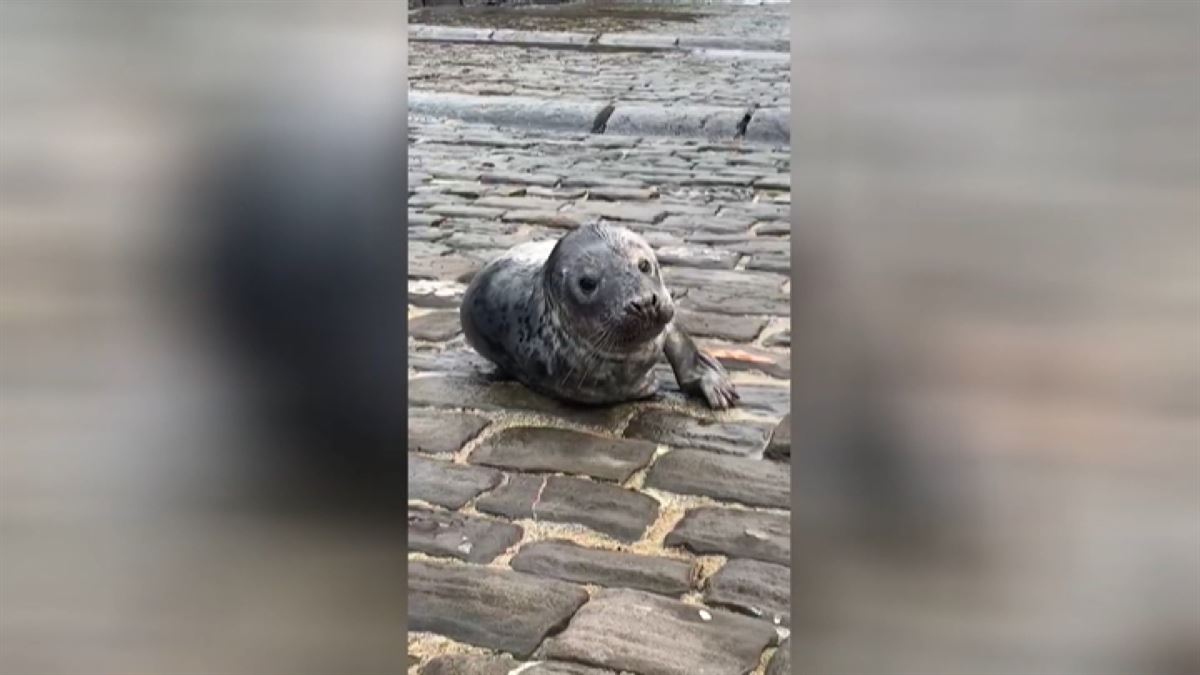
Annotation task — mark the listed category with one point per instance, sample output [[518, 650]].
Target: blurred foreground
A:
[[1003, 201]]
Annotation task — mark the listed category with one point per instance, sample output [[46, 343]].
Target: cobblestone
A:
[[446, 484], [620, 513], [735, 533], [752, 587], [647, 634], [739, 479], [685, 431], [497, 609], [469, 538], [441, 432], [571, 562], [539, 449]]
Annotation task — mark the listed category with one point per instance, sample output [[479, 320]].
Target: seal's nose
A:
[[651, 306]]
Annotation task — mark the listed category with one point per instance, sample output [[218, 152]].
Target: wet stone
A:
[[452, 267], [426, 234], [451, 360], [556, 219], [468, 538], [639, 632], [572, 562], [436, 431], [544, 180], [599, 180], [734, 533], [527, 203], [697, 256], [738, 301], [779, 181], [771, 262], [480, 664], [435, 293], [684, 431], [447, 484], [742, 358], [733, 328], [555, 193], [421, 219], [770, 125], [566, 451], [472, 392], [482, 240], [773, 228], [464, 211], [497, 609], [734, 179], [750, 481], [616, 194], [621, 211], [638, 40], [718, 223], [620, 513], [753, 587], [436, 326], [782, 338], [781, 660], [780, 445]]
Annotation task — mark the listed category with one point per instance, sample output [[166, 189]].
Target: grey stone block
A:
[[507, 111], [770, 125], [639, 40], [427, 33], [540, 38], [733, 43], [711, 122]]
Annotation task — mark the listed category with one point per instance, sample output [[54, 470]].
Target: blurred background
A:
[[997, 309], [998, 449], [196, 380]]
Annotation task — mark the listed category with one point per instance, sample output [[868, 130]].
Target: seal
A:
[[585, 319]]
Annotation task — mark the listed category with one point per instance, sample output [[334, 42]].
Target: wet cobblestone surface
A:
[[668, 517]]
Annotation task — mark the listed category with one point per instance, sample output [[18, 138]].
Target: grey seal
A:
[[585, 319]]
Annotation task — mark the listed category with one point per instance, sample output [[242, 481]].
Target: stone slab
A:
[[537, 38], [437, 431], [712, 122], [566, 451], [525, 112], [733, 328], [495, 609], [481, 664], [685, 431], [735, 533], [780, 445], [753, 587], [470, 392], [643, 633], [620, 513], [468, 538], [447, 484], [571, 562], [429, 33], [770, 125], [436, 326], [750, 481], [638, 40], [781, 660]]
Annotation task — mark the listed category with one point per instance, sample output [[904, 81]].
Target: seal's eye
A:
[[644, 266], [587, 285]]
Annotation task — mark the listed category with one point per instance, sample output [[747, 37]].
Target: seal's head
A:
[[608, 283]]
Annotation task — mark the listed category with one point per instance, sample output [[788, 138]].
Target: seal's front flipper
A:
[[698, 373]]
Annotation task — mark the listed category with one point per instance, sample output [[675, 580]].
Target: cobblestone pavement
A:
[[650, 537]]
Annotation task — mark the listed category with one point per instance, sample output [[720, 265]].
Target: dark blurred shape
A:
[[202, 349], [301, 249], [997, 319]]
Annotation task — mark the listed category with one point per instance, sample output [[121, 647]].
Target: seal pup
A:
[[585, 319]]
